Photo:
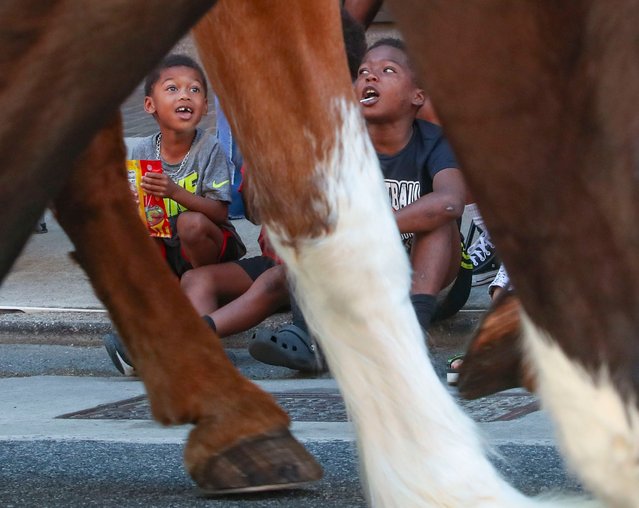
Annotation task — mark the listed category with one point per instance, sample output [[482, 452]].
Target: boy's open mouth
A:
[[184, 110], [369, 96]]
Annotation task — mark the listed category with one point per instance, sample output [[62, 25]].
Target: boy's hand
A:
[[159, 184]]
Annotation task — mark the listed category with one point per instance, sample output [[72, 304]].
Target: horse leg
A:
[[494, 357], [285, 88], [535, 102], [241, 439]]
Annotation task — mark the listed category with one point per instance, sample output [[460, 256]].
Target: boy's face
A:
[[385, 86], [178, 99]]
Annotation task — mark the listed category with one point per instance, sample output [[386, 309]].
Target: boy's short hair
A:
[[393, 42], [399, 44], [173, 60]]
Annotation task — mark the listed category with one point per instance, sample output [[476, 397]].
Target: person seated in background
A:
[[196, 175], [237, 295], [195, 178]]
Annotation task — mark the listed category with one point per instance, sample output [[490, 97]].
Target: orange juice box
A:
[[151, 208]]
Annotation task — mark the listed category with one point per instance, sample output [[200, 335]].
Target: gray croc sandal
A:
[[290, 347]]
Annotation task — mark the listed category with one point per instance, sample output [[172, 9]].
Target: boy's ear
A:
[[206, 106], [149, 105], [419, 97]]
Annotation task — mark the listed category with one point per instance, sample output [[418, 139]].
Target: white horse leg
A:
[[417, 446], [605, 450]]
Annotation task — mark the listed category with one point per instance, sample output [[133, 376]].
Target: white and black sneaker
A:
[[501, 280], [485, 262], [118, 354]]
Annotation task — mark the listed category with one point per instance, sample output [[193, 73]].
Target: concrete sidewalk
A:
[[37, 408]]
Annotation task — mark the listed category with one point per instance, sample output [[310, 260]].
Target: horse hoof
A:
[[494, 359], [270, 461]]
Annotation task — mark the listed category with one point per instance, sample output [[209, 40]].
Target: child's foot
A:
[[453, 365], [500, 283], [485, 262], [289, 347]]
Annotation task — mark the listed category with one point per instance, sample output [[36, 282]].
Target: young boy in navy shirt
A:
[[425, 186]]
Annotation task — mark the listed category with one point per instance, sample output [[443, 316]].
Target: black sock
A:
[[424, 306], [209, 321]]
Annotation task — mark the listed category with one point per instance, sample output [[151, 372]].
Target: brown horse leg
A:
[[186, 373], [494, 360], [535, 104]]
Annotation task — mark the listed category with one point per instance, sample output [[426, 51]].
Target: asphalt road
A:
[[125, 460], [64, 474]]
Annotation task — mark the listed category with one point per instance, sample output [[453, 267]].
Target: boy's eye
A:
[[389, 69], [362, 72], [195, 89], [171, 88]]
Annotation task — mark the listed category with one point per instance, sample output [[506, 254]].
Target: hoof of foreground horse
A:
[[271, 461], [494, 360]]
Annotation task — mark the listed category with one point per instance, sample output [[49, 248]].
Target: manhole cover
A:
[[301, 407], [325, 407], [501, 407]]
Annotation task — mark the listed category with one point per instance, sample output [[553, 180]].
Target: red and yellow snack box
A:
[[151, 208]]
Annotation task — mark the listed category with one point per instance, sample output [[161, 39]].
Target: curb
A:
[[87, 328], [54, 328]]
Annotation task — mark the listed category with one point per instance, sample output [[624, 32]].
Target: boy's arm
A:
[[217, 211], [435, 209], [159, 184]]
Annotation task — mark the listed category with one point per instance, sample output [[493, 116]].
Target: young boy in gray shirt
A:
[[196, 178]]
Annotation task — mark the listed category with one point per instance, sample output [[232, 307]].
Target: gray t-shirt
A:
[[207, 171]]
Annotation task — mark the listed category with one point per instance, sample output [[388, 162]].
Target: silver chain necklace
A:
[[158, 156]]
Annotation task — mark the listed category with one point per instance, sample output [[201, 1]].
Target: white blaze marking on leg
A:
[[417, 447], [596, 427]]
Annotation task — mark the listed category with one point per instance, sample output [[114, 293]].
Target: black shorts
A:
[[256, 265]]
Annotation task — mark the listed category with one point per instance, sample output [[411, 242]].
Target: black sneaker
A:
[[485, 262], [118, 354]]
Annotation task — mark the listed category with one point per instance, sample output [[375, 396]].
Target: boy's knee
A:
[[274, 283], [188, 279], [437, 240], [192, 225]]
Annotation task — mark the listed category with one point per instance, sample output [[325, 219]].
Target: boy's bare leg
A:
[[232, 299], [268, 294], [435, 259], [210, 287], [186, 373]]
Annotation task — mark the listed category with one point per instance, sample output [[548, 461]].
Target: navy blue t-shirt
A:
[[409, 173]]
